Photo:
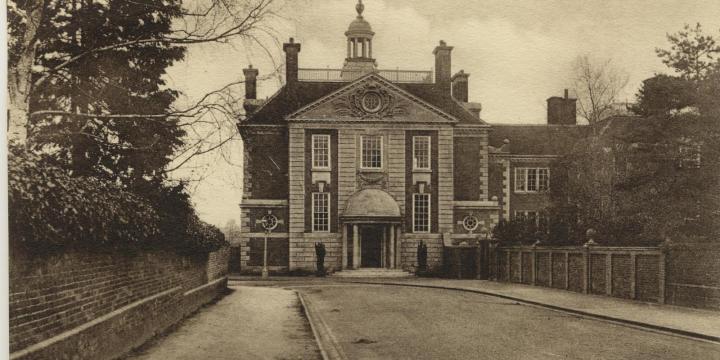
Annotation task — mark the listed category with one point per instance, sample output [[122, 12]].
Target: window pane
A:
[[321, 211], [543, 222], [544, 179], [690, 156], [532, 217], [371, 152], [531, 179], [421, 213], [520, 179], [421, 146], [321, 151]]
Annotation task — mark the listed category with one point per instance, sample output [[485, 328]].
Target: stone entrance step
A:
[[372, 273]]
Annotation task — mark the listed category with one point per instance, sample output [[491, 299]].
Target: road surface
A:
[[393, 322]]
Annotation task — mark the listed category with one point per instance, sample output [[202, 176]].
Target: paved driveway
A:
[[390, 322], [249, 323]]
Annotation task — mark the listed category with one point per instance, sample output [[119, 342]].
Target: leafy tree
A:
[[53, 42], [662, 94], [638, 181], [121, 80], [691, 53]]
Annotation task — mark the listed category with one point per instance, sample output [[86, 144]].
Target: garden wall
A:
[[677, 274], [693, 276], [99, 305], [626, 272]]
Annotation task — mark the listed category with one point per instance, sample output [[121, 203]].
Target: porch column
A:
[[392, 246], [344, 254], [356, 247], [398, 246], [383, 252]]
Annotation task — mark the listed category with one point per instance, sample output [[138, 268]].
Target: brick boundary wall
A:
[[693, 275], [84, 305], [627, 272], [677, 274]]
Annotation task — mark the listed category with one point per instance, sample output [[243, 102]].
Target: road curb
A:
[[633, 323], [329, 348]]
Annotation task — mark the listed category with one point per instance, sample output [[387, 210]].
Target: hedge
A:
[[49, 208]]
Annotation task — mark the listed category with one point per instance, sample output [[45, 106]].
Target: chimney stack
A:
[[460, 86], [250, 82], [442, 67], [562, 110], [291, 50]]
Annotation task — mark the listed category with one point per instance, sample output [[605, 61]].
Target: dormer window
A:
[[371, 149], [421, 153]]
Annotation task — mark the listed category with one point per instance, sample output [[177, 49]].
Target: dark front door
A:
[[370, 245]]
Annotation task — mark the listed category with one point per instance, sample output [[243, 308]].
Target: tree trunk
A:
[[20, 75]]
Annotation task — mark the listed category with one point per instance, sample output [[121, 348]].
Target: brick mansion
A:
[[370, 162]]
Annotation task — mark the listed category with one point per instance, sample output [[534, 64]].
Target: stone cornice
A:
[[387, 85], [258, 203], [476, 204]]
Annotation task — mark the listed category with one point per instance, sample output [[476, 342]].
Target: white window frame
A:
[[526, 179], [429, 152], [382, 152], [429, 214], [329, 203], [329, 151]]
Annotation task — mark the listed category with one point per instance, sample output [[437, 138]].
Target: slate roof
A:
[[538, 139], [283, 104]]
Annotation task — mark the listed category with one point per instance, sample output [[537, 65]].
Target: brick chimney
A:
[[460, 86], [250, 82], [291, 50], [561, 110], [442, 67]]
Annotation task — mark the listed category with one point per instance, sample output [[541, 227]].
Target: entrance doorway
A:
[[371, 245]]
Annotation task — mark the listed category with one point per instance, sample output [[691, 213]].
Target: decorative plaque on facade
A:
[[369, 101]]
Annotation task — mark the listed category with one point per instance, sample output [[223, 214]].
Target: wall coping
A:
[[205, 286], [74, 331], [583, 248]]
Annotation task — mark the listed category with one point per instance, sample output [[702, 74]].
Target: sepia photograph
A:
[[361, 179]]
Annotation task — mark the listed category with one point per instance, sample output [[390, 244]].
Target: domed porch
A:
[[371, 229]]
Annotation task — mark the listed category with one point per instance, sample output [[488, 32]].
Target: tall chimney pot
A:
[[459, 83], [443, 67], [250, 82], [562, 110], [291, 49]]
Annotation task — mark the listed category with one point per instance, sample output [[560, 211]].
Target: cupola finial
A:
[[359, 8]]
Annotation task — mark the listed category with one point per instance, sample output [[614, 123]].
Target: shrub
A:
[[422, 254], [48, 208]]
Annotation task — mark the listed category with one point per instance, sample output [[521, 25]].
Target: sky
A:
[[518, 53]]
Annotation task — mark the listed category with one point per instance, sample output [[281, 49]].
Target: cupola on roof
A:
[[359, 27]]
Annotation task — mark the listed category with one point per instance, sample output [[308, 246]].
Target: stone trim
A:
[[359, 82], [249, 203], [476, 204]]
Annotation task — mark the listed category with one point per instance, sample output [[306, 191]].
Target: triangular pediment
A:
[[372, 98]]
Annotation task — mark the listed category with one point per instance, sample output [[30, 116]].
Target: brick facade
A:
[[67, 303]]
